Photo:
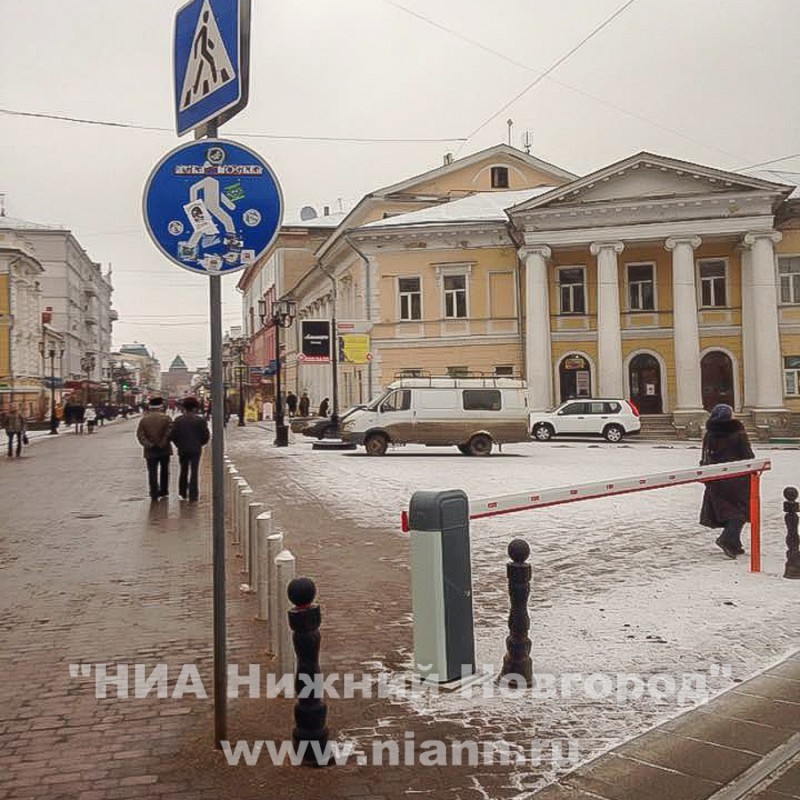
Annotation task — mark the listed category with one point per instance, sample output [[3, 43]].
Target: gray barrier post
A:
[[263, 532], [274, 548], [254, 509], [239, 484], [441, 585], [285, 569], [245, 496]]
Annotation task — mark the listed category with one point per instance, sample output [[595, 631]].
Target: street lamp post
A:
[[51, 353], [240, 348], [87, 364], [282, 316]]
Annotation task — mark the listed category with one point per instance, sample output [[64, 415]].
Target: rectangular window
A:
[[410, 298], [457, 372], [455, 296], [504, 371], [713, 293], [572, 289], [411, 372], [791, 375], [481, 400], [499, 177], [789, 274], [641, 287]]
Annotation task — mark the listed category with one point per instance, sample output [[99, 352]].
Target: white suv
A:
[[595, 416]]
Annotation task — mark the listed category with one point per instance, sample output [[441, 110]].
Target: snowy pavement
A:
[[622, 585]]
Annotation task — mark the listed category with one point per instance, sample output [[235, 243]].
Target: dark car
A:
[[323, 427]]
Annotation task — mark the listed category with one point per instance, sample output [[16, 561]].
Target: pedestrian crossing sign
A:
[[210, 55]]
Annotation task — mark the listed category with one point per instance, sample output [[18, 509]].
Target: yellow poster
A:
[[354, 348]]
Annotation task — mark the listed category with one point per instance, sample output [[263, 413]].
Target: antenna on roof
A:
[[341, 206], [528, 142], [448, 159], [510, 123]]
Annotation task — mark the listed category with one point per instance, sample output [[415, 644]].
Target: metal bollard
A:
[[254, 509], [238, 485], [285, 569], [274, 548], [310, 711], [245, 496], [791, 506], [263, 532], [517, 661]]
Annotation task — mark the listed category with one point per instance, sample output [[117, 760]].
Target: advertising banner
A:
[[316, 340]]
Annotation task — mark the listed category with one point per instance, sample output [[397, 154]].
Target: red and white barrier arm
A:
[[524, 501]]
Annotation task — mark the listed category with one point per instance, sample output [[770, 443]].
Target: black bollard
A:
[[310, 711], [517, 660], [790, 507]]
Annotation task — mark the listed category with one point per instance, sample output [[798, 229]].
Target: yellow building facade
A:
[[674, 284]]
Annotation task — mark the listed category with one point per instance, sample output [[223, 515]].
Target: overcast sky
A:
[[713, 81]]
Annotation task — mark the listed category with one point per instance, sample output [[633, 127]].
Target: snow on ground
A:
[[627, 584]]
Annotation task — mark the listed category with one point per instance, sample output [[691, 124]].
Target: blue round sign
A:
[[213, 206]]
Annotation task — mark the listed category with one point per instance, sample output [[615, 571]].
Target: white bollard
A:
[[263, 532], [238, 484], [285, 568], [274, 548], [245, 496], [230, 474], [254, 509]]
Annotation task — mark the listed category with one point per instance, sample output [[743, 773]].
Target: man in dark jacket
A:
[[153, 435], [189, 434], [726, 503]]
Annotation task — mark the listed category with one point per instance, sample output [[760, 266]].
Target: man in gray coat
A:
[[153, 435]]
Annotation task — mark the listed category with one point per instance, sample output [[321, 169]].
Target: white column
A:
[[538, 354], [609, 331], [686, 334], [748, 329], [767, 344]]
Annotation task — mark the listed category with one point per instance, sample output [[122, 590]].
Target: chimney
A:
[[448, 159], [326, 211]]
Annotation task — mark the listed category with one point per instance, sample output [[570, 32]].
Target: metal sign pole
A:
[[218, 503]]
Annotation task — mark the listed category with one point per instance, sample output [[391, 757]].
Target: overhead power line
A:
[[288, 137], [771, 161], [557, 63]]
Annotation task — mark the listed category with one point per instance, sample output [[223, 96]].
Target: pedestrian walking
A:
[[726, 503], [15, 426], [291, 403], [189, 434], [90, 415], [79, 417], [323, 408], [153, 434], [304, 405]]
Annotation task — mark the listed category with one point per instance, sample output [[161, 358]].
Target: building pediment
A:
[[647, 177]]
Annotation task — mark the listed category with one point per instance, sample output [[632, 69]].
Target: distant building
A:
[[76, 295], [177, 380], [135, 367]]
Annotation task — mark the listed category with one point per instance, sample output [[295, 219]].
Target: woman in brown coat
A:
[[726, 503]]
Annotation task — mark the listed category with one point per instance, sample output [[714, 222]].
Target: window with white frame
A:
[[713, 284], [410, 298], [789, 274], [572, 290], [455, 296], [791, 375], [641, 287]]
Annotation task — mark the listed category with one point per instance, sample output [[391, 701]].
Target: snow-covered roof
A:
[[16, 224], [478, 207], [325, 221], [778, 176]]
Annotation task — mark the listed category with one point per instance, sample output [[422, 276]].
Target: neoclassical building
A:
[[675, 284]]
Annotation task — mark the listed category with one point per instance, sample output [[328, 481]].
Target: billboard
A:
[[315, 340]]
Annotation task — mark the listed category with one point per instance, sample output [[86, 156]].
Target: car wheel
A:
[[375, 444], [464, 449], [543, 433], [614, 433], [480, 445]]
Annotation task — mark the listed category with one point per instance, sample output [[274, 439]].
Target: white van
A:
[[471, 413]]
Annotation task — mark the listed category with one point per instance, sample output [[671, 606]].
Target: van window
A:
[[397, 401], [482, 400]]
